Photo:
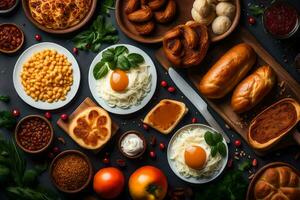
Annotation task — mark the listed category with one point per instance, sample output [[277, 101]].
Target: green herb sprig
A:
[[4, 98], [116, 58], [107, 5], [100, 32], [7, 120], [215, 141], [256, 10]]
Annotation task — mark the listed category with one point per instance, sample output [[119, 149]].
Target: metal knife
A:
[[197, 101]]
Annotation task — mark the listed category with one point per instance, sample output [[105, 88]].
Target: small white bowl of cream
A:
[[132, 144]]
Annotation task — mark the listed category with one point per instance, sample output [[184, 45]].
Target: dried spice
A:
[[70, 172]]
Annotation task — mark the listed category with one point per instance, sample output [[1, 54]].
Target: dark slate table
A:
[[284, 51]]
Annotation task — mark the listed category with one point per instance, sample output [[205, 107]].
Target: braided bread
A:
[[278, 183], [186, 45]]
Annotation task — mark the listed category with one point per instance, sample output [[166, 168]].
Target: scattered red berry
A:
[[152, 154], [163, 83], [254, 162], [161, 146], [38, 37], [229, 163], [75, 50], [145, 127], [56, 150], [106, 160], [153, 140], [251, 20], [121, 162], [64, 117], [15, 112], [171, 89], [50, 155], [194, 120], [237, 143], [48, 115]]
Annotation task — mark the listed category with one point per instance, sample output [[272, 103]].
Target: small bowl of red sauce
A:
[[7, 6], [11, 38], [281, 20]]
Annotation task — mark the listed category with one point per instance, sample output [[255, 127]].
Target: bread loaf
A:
[[278, 183], [227, 71], [253, 89]]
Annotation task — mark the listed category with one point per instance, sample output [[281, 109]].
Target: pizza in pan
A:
[[59, 14]]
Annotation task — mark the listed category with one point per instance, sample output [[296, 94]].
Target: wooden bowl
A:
[[139, 135], [182, 16], [7, 11], [40, 150], [63, 31], [22, 42], [262, 170], [70, 152]]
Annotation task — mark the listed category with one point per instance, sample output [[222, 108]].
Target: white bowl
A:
[[193, 179], [18, 69], [134, 108]]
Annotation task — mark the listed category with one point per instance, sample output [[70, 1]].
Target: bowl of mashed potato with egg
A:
[[191, 157]]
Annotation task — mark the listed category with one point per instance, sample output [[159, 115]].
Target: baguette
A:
[[253, 89], [228, 71], [166, 115]]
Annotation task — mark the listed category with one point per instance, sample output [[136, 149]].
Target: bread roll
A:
[[221, 24], [227, 71], [253, 89]]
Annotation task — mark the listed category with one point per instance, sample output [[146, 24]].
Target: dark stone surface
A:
[[281, 50]]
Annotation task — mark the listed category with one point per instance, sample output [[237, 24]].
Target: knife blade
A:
[[196, 100]]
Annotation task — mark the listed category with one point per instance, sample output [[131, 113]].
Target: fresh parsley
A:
[[256, 10], [4, 98], [98, 33], [7, 120], [116, 58], [215, 141], [107, 5]]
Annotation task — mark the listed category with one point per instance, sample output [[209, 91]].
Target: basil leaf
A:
[[123, 63], [96, 47], [112, 65], [108, 55], [100, 70], [222, 149], [135, 59], [119, 50], [256, 10], [208, 136], [214, 151], [217, 137]]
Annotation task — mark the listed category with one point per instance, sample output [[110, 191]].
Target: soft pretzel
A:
[[186, 45], [278, 183]]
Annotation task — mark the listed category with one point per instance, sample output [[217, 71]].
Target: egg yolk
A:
[[195, 157], [119, 80]]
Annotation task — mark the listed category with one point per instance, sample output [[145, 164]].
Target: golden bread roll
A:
[[278, 183], [227, 71], [253, 89]]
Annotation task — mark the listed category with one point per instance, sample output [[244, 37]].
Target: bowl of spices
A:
[[281, 20], [132, 144], [7, 6], [11, 38], [34, 134], [71, 171]]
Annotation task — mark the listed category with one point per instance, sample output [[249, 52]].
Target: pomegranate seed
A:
[[153, 141], [15, 112], [75, 50], [121, 162], [48, 115], [56, 150], [50, 155], [145, 127], [251, 20], [106, 160], [171, 89], [64, 117], [38, 37], [237, 143], [194, 120], [152, 154], [161, 146], [254, 162], [229, 163], [163, 83]]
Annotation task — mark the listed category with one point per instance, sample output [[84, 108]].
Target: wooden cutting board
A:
[[85, 104], [286, 86]]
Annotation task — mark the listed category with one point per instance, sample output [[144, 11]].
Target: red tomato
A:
[[109, 182]]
